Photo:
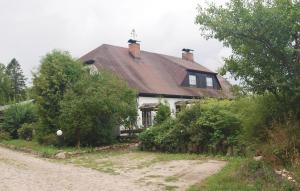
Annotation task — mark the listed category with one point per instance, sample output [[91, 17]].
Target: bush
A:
[[26, 131], [163, 113], [17, 115], [4, 136], [50, 139], [208, 126]]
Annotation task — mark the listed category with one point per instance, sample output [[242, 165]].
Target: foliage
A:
[[5, 86], [4, 135], [17, 79], [26, 131], [58, 72], [94, 107], [208, 126], [49, 139], [245, 175], [16, 115], [265, 41], [163, 113]]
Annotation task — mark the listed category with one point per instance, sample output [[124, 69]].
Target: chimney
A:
[[187, 54], [134, 48]]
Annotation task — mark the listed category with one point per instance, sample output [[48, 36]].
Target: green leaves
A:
[[264, 37]]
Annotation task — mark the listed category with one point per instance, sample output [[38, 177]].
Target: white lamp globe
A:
[[59, 132]]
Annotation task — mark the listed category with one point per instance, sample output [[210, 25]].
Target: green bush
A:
[[50, 139], [163, 113], [4, 136], [17, 115], [26, 132], [208, 126]]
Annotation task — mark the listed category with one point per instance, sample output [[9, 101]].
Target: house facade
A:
[[158, 78]]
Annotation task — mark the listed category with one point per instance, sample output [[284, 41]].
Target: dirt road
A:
[[21, 171]]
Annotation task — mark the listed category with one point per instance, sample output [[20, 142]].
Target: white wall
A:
[[170, 101]]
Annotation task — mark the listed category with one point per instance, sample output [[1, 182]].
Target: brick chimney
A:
[[134, 48], [187, 54]]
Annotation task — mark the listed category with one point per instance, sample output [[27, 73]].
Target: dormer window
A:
[[209, 82], [192, 80]]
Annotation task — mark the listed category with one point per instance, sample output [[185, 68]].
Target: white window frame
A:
[[209, 82], [192, 80]]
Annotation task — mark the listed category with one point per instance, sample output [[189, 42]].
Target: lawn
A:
[[36, 148]]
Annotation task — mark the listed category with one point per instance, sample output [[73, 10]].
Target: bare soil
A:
[[134, 172]]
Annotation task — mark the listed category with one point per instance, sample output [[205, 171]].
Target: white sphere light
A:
[[59, 132]]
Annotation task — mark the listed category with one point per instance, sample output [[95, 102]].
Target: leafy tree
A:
[[94, 107], [264, 36], [58, 72], [162, 113], [17, 78], [5, 86]]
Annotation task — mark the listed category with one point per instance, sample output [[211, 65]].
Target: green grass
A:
[[242, 174], [35, 147]]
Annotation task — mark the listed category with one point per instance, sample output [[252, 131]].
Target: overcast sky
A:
[[29, 29]]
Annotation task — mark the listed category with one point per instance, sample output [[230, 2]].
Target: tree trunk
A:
[[78, 138]]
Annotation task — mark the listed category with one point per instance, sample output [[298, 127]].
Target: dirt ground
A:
[[129, 171]]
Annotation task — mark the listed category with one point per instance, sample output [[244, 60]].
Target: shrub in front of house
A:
[[208, 126], [26, 132]]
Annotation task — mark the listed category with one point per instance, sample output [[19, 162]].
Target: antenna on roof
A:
[[133, 34], [133, 37]]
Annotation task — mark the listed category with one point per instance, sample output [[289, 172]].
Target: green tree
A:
[[58, 72], [5, 86], [265, 40], [94, 108], [163, 113], [15, 73]]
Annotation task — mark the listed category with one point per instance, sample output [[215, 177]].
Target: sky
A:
[[30, 29]]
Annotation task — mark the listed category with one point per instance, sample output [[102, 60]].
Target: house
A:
[[158, 77]]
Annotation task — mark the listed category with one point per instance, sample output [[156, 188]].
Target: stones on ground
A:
[[61, 155]]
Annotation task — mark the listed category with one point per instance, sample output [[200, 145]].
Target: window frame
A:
[[195, 76], [211, 84]]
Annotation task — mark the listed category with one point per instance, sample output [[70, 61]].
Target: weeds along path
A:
[[21, 171]]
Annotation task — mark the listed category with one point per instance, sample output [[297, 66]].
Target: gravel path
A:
[[21, 171]]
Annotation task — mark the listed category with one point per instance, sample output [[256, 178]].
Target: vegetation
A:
[[208, 126], [87, 107], [35, 147], [94, 107], [5, 90], [265, 40], [17, 115], [163, 113], [245, 175], [58, 71], [17, 80]]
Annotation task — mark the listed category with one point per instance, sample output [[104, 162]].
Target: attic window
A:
[[209, 82], [192, 80]]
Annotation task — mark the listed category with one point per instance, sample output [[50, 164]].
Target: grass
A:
[[35, 147], [242, 174]]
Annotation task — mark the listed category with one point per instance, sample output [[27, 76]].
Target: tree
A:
[[58, 72], [5, 85], [17, 78], [264, 36], [94, 107], [163, 113]]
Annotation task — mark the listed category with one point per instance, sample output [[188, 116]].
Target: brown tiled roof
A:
[[153, 73]]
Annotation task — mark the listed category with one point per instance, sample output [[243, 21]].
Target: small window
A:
[[192, 80], [209, 82]]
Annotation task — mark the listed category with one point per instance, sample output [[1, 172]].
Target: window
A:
[[209, 82], [192, 80], [146, 118]]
